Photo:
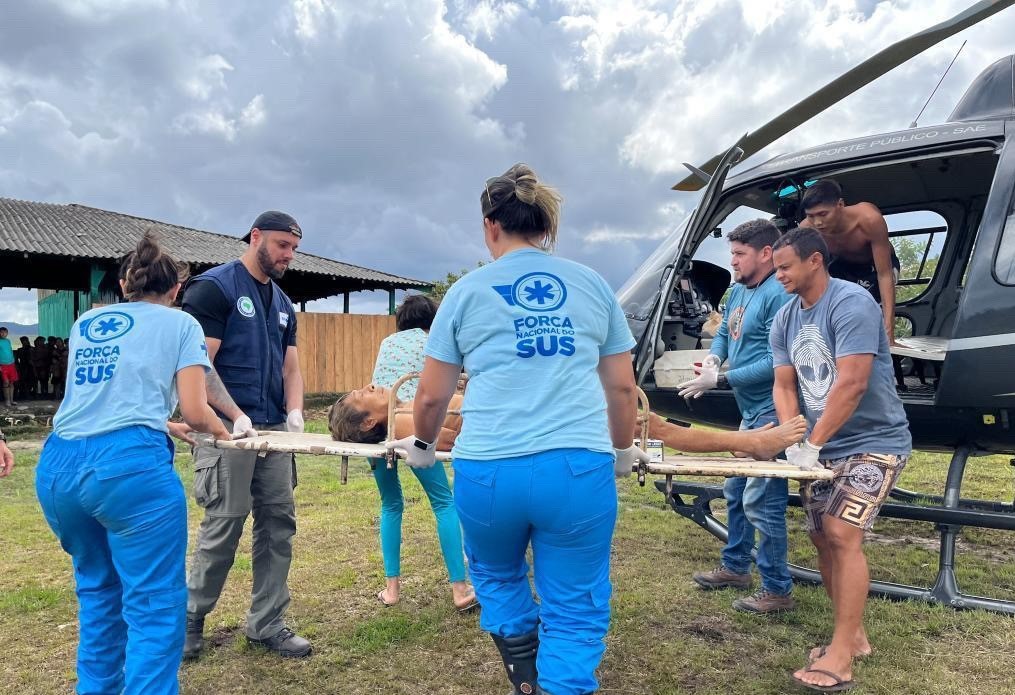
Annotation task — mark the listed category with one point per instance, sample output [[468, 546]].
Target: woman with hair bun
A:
[[547, 421], [106, 480]]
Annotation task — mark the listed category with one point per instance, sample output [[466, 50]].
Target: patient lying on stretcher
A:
[[362, 416]]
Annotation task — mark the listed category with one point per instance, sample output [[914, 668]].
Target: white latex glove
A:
[[706, 380], [294, 421], [626, 460], [415, 456], [804, 456], [243, 427]]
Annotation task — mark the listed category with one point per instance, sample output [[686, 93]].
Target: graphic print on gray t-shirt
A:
[[845, 321], [815, 366]]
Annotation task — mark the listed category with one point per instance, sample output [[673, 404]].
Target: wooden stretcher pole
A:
[[390, 456], [642, 419]]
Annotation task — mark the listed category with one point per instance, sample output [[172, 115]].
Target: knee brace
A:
[[519, 655]]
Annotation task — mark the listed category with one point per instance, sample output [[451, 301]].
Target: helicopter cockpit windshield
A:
[[641, 291]]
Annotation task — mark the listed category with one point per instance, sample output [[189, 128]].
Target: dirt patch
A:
[[711, 628], [934, 545], [222, 636]]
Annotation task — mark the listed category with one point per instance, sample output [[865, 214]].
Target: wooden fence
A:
[[337, 351]]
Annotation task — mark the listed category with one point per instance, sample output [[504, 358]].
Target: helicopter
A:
[[955, 301]]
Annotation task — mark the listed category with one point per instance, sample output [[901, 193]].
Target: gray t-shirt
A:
[[845, 321]]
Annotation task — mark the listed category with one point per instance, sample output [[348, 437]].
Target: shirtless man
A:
[[857, 240], [362, 416]]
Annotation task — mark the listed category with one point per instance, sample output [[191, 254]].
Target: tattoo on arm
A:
[[219, 398]]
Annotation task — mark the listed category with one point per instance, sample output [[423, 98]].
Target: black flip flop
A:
[[840, 685], [380, 597]]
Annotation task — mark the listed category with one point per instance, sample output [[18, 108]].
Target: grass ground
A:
[[666, 637]]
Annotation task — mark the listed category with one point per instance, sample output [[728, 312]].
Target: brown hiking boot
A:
[[765, 602], [720, 578]]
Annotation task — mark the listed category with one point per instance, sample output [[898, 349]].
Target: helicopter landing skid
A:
[[950, 515]]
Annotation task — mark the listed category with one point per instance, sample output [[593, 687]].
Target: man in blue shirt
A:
[[832, 363], [751, 503], [8, 371]]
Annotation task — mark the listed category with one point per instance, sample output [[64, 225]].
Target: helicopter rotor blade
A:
[[850, 81]]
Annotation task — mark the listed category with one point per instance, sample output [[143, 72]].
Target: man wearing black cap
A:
[[250, 327]]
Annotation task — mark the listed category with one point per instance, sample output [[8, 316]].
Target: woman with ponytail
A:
[[547, 420], [106, 480]]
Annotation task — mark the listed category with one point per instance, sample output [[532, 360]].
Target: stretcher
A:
[[323, 444]]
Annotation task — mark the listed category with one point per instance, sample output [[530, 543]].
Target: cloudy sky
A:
[[375, 123]]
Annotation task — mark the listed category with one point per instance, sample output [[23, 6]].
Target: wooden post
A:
[[303, 307], [345, 303], [391, 302]]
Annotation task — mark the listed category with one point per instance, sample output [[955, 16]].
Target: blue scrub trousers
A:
[[564, 503], [758, 504], [118, 508], [449, 531]]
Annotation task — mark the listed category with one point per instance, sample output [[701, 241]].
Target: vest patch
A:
[[245, 305]]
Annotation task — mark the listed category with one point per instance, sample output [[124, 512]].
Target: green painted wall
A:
[[56, 309]]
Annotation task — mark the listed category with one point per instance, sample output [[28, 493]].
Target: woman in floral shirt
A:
[[400, 354]]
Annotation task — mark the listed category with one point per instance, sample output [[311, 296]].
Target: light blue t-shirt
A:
[[6, 351], [530, 329], [122, 368], [845, 321], [742, 341], [400, 354]]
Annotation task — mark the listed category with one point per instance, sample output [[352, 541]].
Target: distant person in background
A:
[[8, 372], [26, 374], [58, 366], [6, 457], [41, 357]]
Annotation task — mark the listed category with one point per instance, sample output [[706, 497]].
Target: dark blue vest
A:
[[250, 358]]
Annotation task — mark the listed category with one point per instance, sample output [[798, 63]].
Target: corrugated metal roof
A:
[[86, 232]]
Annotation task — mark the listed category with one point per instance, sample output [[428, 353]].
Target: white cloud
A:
[[487, 18], [209, 76], [376, 122], [254, 112]]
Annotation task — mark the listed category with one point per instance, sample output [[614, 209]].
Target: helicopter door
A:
[[676, 279]]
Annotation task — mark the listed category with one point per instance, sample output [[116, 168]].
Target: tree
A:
[[441, 287], [910, 252]]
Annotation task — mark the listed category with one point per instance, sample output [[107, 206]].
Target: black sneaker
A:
[[285, 643], [193, 643]]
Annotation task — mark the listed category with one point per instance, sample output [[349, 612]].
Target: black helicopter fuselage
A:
[[962, 173]]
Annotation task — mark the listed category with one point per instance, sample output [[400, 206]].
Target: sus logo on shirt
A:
[[545, 335]]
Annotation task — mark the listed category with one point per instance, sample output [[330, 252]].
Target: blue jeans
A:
[[563, 502], [118, 508], [449, 531], [758, 504]]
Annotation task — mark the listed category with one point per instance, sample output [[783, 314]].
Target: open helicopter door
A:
[[674, 283]]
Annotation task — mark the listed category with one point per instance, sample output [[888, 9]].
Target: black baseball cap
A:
[[275, 221]]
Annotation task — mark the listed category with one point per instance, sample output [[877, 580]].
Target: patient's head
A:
[[360, 415]]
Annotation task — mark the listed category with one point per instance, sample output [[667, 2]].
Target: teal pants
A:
[[449, 531]]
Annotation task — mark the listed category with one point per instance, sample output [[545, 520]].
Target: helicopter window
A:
[[1004, 265], [919, 239]]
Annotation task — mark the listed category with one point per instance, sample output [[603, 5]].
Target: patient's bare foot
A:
[[463, 596], [765, 442]]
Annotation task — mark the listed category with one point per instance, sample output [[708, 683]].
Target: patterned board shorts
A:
[[855, 495]]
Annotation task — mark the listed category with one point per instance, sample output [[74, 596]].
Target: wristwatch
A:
[[721, 382], [421, 445]]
